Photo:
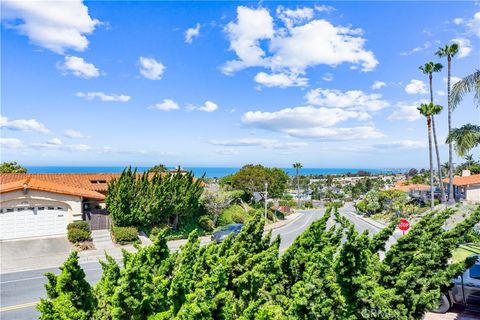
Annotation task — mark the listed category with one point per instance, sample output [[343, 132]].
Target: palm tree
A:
[[298, 166], [470, 83], [429, 68], [427, 110], [469, 159], [464, 138], [449, 51]]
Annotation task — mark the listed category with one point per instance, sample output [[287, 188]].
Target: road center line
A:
[[18, 306]]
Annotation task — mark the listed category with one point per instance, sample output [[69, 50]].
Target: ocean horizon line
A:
[[209, 172]]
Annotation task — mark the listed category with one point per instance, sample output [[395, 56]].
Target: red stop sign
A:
[[404, 225]]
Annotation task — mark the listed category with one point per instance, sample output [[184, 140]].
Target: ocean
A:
[[210, 172]]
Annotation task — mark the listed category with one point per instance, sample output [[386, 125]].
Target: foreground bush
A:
[[75, 235], [125, 235], [83, 225], [327, 273]]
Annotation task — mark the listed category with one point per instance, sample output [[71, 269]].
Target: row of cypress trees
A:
[[149, 199], [327, 273]]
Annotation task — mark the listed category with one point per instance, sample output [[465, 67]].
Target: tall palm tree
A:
[[427, 110], [470, 83], [298, 166], [449, 51], [429, 68], [465, 138]]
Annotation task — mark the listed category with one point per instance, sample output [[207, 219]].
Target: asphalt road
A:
[[21, 290]]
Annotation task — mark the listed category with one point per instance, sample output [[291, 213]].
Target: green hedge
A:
[[82, 225], [206, 223], [78, 235], [125, 235]]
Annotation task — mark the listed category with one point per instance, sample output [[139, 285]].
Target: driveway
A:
[[20, 255]]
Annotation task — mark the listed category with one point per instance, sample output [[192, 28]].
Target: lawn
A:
[[465, 250]]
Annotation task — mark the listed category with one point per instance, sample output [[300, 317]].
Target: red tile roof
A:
[[41, 185], [464, 181], [401, 186]]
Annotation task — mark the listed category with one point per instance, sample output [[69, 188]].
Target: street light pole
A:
[[266, 194]]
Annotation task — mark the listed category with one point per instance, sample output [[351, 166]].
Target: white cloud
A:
[[150, 68], [166, 105], [353, 99], [73, 134], [78, 67], [441, 93], [327, 77], [304, 43], [208, 106], [406, 111], [11, 143], [453, 80], [54, 143], [281, 80], [312, 122], [378, 85], [465, 46], [474, 24], [228, 152], [78, 147], [402, 144], [261, 142], [458, 21], [192, 33], [103, 96], [416, 87], [54, 25], [425, 46], [23, 125]]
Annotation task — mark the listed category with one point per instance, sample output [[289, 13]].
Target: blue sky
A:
[[329, 84]]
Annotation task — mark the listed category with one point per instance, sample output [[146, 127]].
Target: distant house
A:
[[405, 187], [466, 187]]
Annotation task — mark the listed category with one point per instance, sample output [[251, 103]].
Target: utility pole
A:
[[266, 194]]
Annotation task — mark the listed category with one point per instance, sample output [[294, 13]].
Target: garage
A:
[[23, 222]]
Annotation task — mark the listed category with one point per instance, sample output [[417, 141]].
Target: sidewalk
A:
[[12, 262]]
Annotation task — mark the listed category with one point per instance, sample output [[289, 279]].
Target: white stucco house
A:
[[33, 205], [466, 187]]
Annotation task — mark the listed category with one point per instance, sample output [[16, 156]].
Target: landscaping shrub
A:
[[206, 223], [157, 229], [239, 217], [125, 235], [82, 225], [78, 235]]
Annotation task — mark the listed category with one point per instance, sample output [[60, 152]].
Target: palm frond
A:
[[464, 138], [470, 83]]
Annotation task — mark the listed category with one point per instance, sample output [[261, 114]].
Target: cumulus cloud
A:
[[425, 46], [281, 80], [453, 80], [312, 122], [406, 111], [327, 77], [265, 143], [353, 99], [54, 143], [416, 87], [54, 25], [151, 68], [465, 46], [73, 134], [401, 144], [11, 143], [103, 96], [208, 106], [23, 125], [441, 93], [192, 33], [78, 67], [166, 105], [291, 50], [378, 85]]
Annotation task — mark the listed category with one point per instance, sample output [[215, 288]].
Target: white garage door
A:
[[32, 221]]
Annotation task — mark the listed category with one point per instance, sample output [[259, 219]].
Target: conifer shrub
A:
[[329, 272], [75, 235], [125, 235], [206, 223]]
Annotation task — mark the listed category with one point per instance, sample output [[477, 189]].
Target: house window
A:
[[98, 181], [51, 208], [10, 210], [41, 208], [20, 209]]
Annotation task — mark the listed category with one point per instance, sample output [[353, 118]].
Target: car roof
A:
[[235, 225]]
